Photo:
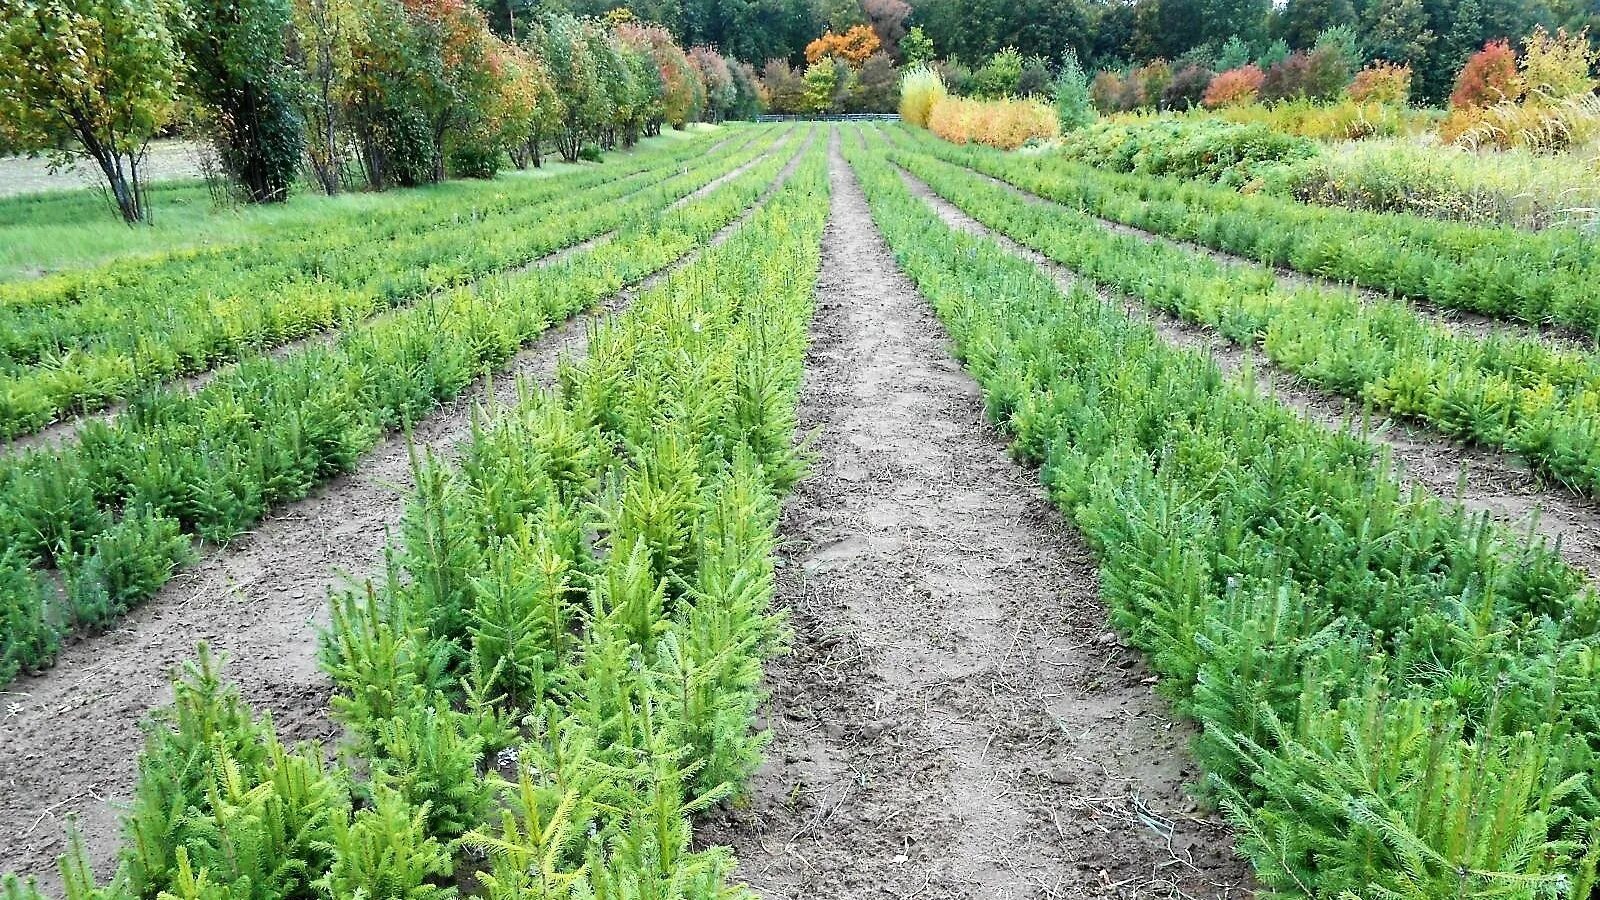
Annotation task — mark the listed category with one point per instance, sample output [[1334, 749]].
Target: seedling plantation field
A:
[[805, 510]]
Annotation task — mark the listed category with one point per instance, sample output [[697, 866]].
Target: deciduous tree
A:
[[999, 76], [1221, 20], [560, 41], [682, 95], [747, 103], [717, 80], [785, 88], [237, 69], [320, 44], [393, 77], [823, 82], [853, 46], [1489, 77], [92, 78], [877, 86], [916, 48], [888, 21], [1303, 20], [1557, 66]]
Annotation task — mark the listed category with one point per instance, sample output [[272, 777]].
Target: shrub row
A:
[[1504, 393], [1396, 699], [1207, 149], [1006, 124], [1552, 276], [99, 351], [562, 664], [214, 461], [1347, 120]]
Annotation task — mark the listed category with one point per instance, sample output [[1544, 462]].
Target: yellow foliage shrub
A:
[[920, 88], [1007, 124]]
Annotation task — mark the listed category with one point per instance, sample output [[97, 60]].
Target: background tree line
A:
[[404, 92], [375, 93], [1432, 37]]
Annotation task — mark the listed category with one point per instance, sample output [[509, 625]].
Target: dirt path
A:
[[1482, 480], [955, 720], [69, 738]]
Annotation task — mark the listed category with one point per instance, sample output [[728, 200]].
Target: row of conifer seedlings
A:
[[149, 323], [93, 529], [1396, 699], [561, 664], [297, 248], [1546, 277], [1504, 392]]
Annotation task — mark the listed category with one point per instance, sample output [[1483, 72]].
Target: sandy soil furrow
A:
[[955, 720], [1483, 481], [69, 738]]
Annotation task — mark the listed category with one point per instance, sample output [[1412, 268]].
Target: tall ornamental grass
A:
[[1006, 124], [921, 89], [1512, 187]]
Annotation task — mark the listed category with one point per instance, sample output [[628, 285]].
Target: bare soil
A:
[[168, 160], [1483, 481], [956, 720], [69, 738]]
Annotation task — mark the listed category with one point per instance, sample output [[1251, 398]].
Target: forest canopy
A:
[[1433, 37]]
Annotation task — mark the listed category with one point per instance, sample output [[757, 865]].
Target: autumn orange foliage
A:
[[1235, 87], [854, 46], [1007, 124], [1489, 77]]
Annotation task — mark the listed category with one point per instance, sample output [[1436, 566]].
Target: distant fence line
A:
[[840, 117]]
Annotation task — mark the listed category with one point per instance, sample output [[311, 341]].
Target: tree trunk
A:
[[125, 188], [330, 173], [568, 142], [439, 130]]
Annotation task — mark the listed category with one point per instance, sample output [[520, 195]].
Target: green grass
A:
[[56, 230]]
